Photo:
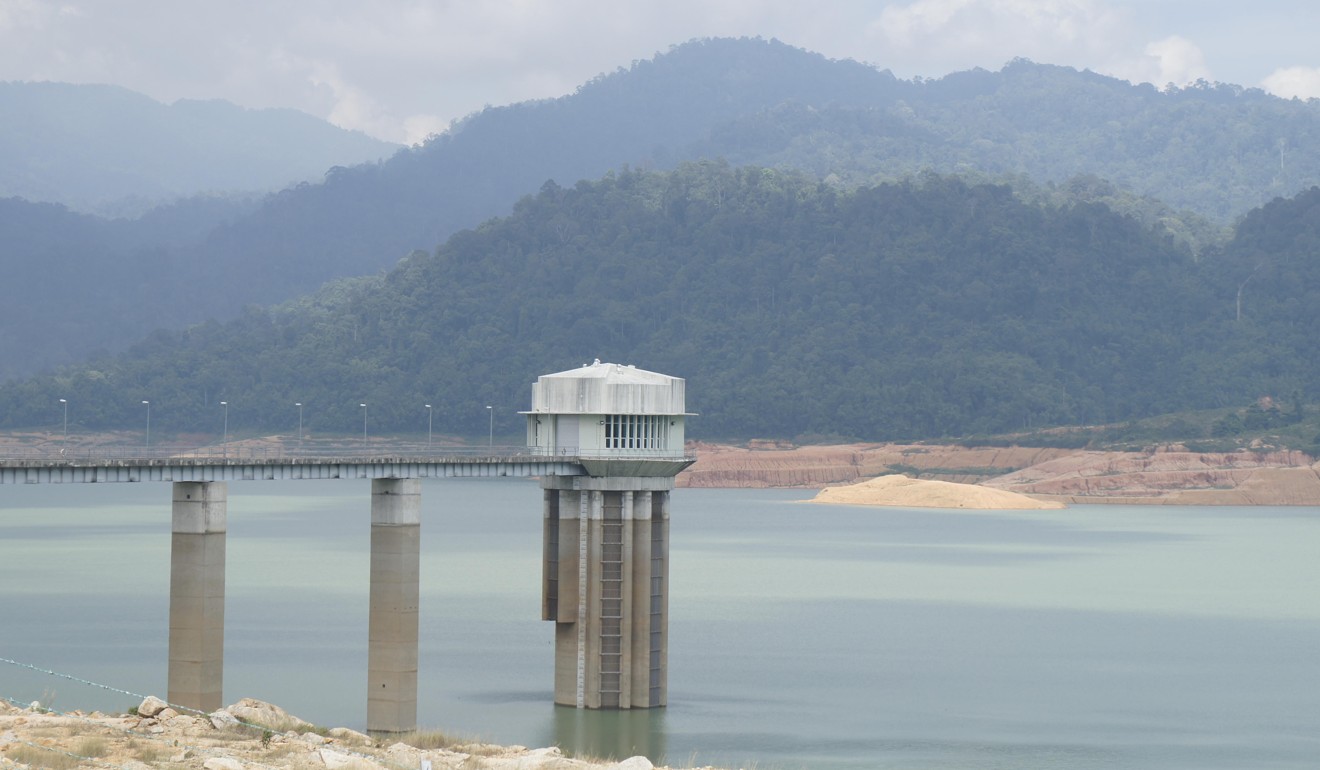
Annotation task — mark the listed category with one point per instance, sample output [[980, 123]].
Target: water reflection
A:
[[611, 734]]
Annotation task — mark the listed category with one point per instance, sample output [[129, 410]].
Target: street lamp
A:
[[225, 441], [148, 403], [364, 426], [66, 420], [300, 443], [429, 413], [491, 440]]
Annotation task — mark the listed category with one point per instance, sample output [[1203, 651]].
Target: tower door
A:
[[566, 437]]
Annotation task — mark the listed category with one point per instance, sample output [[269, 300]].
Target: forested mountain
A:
[[1215, 149], [110, 151], [793, 307], [75, 283]]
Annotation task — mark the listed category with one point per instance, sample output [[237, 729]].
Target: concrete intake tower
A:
[[606, 442], [606, 550]]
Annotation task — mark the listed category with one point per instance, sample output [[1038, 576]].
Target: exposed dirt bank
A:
[[1172, 477], [767, 464], [1168, 475]]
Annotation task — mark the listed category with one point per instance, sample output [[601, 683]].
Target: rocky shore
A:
[[248, 735]]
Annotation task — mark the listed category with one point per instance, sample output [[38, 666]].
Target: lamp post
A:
[[490, 441], [429, 413], [224, 442], [364, 426], [300, 442], [66, 421], [148, 404]]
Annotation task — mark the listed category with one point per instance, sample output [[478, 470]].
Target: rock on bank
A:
[[249, 735]]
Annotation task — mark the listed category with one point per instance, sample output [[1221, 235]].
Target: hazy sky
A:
[[401, 69]]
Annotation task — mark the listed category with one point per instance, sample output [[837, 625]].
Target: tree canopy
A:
[[1187, 160], [927, 308]]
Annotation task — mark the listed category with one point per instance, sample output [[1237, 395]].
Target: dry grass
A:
[[592, 759], [58, 732], [428, 739], [479, 749], [285, 725], [92, 746], [304, 762], [145, 752], [35, 756], [278, 750]]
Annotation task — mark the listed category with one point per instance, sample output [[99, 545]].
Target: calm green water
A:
[[800, 635]]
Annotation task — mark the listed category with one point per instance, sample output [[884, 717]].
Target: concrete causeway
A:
[[126, 466]]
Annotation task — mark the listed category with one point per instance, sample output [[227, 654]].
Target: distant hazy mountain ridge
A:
[[107, 150], [794, 308], [1058, 134]]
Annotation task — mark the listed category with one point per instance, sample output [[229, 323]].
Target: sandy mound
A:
[[916, 493]]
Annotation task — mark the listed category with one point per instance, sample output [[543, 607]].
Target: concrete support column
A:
[[197, 594], [396, 517], [650, 587], [627, 619], [658, 607], [604, 585], [566, 512]]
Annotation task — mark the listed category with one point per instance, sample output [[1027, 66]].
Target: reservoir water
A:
[[801, 635]]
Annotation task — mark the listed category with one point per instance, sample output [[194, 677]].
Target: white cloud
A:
[[1174, 59], [417, 128], [401, 69], [945, 35], [17, 14], [1100, 35], [352, 108], [1294, 82]]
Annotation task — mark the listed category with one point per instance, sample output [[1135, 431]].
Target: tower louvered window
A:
[[636, 431]]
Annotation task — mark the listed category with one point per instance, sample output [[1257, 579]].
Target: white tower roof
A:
[[599, 388]]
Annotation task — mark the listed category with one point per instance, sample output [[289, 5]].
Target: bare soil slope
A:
[[1172, 476], [778, 464], [1167, 475]]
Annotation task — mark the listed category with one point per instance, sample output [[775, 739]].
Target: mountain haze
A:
[[793, 308], [110, 151], [1213, 149]]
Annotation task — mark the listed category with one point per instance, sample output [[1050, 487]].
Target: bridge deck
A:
[[122, 465]]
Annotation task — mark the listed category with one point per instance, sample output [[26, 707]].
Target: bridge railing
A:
[[598, 454], [252, 453], [238, 454]]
